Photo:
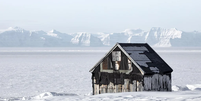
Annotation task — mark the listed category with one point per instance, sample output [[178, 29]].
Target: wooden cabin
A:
[[131, 67]]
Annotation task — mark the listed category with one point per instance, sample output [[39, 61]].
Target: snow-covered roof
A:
[[143, 56]]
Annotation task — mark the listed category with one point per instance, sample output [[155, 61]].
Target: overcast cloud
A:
[[100, 15]]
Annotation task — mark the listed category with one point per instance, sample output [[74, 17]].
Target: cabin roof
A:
[[143, 56]]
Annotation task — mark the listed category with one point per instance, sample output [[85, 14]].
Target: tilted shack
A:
[[131, 67]]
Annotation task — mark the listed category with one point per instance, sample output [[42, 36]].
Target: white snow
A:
[[131, 32], [86, 39], [52, 33], [62, 74], [158, 37], [42, 38], [162, 36], [11, 29], [82, 39], [154, 69]]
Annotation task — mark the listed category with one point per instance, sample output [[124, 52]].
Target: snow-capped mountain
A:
[[14, 37], [58, 39], [156, 36], [129, 35], [187, 39], [135, 35], [18, 37], [161, 37], [86, 39]]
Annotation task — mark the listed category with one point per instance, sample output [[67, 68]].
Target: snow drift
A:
[[189, 92]]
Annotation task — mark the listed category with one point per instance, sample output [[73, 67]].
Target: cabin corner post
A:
[[92, 79], [170, 89], [171, 80]]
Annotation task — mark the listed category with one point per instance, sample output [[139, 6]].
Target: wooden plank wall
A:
[[112, 88], [157, 82]]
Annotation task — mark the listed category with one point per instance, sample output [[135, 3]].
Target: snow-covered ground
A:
[[61, 74]]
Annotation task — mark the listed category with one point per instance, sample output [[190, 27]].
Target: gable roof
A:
[[143, 57]]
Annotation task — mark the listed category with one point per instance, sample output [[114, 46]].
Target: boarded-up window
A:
[[116, 56], [107, 64], [124, 63], [104, 64]]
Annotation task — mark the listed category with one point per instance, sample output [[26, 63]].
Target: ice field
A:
[[56, 74]]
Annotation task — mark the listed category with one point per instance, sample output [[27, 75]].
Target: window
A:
[[116, 56], [104, 64], [107, 64]]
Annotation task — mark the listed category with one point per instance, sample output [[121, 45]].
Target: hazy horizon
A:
[[16, 27], [100, 16]]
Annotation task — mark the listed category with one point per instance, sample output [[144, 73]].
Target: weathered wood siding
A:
[[157, 82], [116, 82], [106, 78]]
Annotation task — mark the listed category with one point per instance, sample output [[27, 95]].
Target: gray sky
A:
[[100, 15]]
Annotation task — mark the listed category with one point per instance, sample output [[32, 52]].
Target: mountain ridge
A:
[[156, 36]]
